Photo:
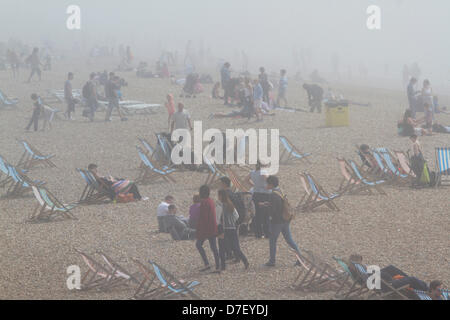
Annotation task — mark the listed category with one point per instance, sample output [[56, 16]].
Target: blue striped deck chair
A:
[[163, 148], [5, 101], [442, 166], [4, 172], [421, 295], [315, 195], [393, 169], [119, 274], [32, 157], [20, 184], [348, 278], [379, 160], [445, 294], [49, 208], [290, 152], [149, 172], [93, 192], [173, 285], [350, 183], [372, 184], [149, 287], [149, 150]]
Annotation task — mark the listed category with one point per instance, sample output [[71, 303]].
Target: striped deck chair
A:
[[96, 276], [318, 275], [237, 183], [291, 152], [32, 157], [94, 192], [4, 172], [49, 208], [149, 172], [442, 166], [315, 195], [383, 171], [5, 101], [394, 170], [372, 184], [119, 275], [148, 288], [361, 279], [214, 172], [404, 163], [19, 183], [163, 149], [174, 286], [421, 295], [350, 183]]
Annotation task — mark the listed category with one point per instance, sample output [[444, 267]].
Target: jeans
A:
[[92, 106], [261, 215], [230, 240], [213, 246], [275, 230], [113, 103], [34, 119]]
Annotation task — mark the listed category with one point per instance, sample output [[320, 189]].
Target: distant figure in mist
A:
[[14, 62], [406, 75], [412, 96], [264, 81], [315, 96], [282, 87], [225, 77], [35, 64], [37, 108]]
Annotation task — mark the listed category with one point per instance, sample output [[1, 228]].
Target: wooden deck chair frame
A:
[[7, 179], [363, 179], [49, 208], [94, 192], [176, 286], [312, 200], [237, 183], [150, 173], [289, 155], [20, 183], [350, 183], [214, 172], [32, 157], [162, 146], [318, 275], [97, 275], [442, 166], [392, 166], [404, 163], [149, 287], [119, 275]]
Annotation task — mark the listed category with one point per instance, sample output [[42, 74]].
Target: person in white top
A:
[[181, 119], [162, 211]]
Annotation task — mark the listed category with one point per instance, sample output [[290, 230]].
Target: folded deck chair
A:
[[149, 287], [404, 163], [393, 169], [175, 286], [148, 108], [372, 184], [315, 195], [442, 166], [97, 276], [163, 149], [149, 172], [119, 275], [5, 101], [19, 183], [32, 157], [49, 208], [94, 192], [290, 152], [317, 275], [237, 183]]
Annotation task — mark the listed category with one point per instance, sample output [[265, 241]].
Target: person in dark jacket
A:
[[37, 108], [207, 228], [315, 96], [277, 223]]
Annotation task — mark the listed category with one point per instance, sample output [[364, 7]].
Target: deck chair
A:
[[237, 183], [290, 152], [49, 208], [404, 163], [315, 195], [393, 169], [4, 172], [119, 275], [350, 183], [148, 288], [32, 157], [94, 192], [214, 173], [175, 286], [384, 171], [19, 183], [148, 108], [363, 275], [372, 184], [149, 172], [442, 166], [5, 101], [96, 276], [317, 275], [421, 295], [163, 148]]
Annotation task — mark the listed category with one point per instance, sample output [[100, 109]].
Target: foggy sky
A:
[[268, 31]]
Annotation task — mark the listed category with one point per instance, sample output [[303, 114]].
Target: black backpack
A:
[[238, 203], [86, 90]]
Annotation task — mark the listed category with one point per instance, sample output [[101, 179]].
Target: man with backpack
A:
[[89, 92], [280, 217]]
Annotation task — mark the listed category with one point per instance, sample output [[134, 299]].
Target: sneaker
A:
[[269, 264], [246, 265], [205, 269]]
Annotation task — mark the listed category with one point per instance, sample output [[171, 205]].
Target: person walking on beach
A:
[[68, 95], [282, 87], [37, 107], [35, 64], [207, 228]]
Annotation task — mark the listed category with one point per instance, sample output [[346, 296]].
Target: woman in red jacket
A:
[[207, 228]]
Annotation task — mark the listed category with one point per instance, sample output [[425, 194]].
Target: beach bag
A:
[[124, 197], [287, 212], [425, 177]]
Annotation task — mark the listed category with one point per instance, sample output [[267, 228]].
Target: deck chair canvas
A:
[[290, 152], [94, 192], [315, 195], [214, 173], [5, 179], [442, 166], [149, 287], [150, 173], [19, 184], [404, 163], [32, 157], [163, 150], [237, 183], [350, 182], [175, 286], [119, 275], [392, 168], [96, 276], [49, 208], [370, 184], [5, 101]]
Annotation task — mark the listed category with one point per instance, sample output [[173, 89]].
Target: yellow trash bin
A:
[[337, 117]]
